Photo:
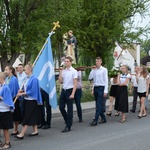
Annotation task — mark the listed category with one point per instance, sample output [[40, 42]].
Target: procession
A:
[[23, 101], [93, 70]]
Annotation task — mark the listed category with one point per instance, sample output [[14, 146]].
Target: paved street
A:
[[134, 134]]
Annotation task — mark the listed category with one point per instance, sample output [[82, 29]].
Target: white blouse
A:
[[142, 84], [123, 78]]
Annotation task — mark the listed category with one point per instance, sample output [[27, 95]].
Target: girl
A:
[[121, 103], [6, 106], [143, 86]]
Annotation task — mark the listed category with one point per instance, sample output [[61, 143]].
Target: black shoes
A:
[[18, 137], [67, 129], [15, 133], [133, 111], [40, 126], [93, 123], [102, 121], [109, 113], [46, 127], [33, 134], [80, 120]]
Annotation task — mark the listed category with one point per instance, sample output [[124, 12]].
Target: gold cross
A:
[[56, 24]]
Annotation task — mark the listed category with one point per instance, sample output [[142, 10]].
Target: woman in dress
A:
[[113, 92], [143, 87], [32, 98], [6, 106], [121, 103], [12, 82]]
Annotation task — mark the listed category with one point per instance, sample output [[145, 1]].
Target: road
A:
[[134, 134]]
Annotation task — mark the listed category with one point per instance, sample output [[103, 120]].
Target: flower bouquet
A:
[[114, 72]]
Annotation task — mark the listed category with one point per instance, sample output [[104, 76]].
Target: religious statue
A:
[[70, 45]]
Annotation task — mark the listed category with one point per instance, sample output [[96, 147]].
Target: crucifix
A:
[[56, 25]]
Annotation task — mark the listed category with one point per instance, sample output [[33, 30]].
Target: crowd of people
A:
[[23, 101]]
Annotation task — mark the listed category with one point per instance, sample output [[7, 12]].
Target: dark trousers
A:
[[21, 105], [99, 100], [65, 100], [135, 96], [104, 104], [45, 99], [77, 99]]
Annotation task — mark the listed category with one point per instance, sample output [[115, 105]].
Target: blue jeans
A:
[[77, 99], [99, 100], [65, 100]]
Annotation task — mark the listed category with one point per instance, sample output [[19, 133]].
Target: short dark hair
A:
[[98, 58], [69, 57], [20, 65]]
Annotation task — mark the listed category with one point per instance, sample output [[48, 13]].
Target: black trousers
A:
[[65, 100], [45, 99], [135, 96]]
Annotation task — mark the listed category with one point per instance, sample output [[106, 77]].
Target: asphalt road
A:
[[134, 134]]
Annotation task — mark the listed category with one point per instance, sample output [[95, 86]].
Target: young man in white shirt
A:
[[100, 79], [68, 77]]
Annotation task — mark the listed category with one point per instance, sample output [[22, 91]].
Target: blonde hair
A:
[[144, 71], [29, 65], [2, 75]]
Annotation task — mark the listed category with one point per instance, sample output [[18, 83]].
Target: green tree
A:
[[103, 22], [23, 26]]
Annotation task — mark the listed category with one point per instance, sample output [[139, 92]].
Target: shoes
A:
[[33, 134], [133, 111], [109, 113], [46, 127], [67, 129], [117, 113], [93, 123], [102, 121], [139, 116], [0, 143], [40, 126], [80, 120], [15, 133], [18, 137], [122, 120], [144, 115], [6, 146]]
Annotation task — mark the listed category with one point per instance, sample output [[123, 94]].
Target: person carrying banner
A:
[[68, 77], [45, 124], [12, 82], [6, 106], [32, 98]]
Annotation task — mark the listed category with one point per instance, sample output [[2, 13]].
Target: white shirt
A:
[[68, 76], [21, 78], [3, 106], [112, 81], [123, 78], [133, 80], [142, 84], [79, 86], [100, 77]]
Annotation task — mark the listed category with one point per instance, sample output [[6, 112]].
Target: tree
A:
[[103, 22], [22, 28]]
